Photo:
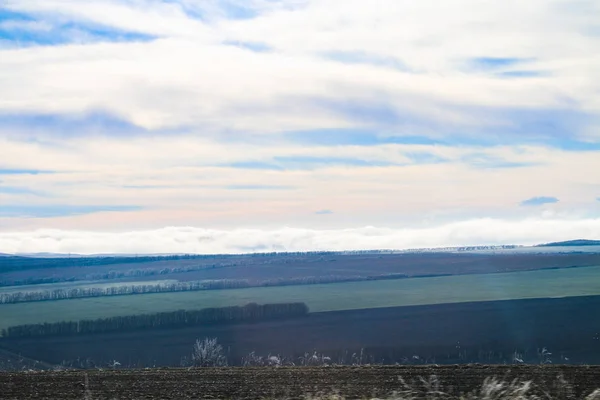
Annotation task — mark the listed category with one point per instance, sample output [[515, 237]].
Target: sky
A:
[[206, 126]]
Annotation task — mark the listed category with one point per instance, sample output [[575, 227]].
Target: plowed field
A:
[[278, 383]]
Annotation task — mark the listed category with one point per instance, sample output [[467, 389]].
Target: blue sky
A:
[[322, 115], [539, 201]]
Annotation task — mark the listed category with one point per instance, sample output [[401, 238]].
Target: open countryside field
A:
[[273, 266], [295, 383], [481, 332], [326, 297]]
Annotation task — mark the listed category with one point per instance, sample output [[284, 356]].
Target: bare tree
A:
[[208, 353]]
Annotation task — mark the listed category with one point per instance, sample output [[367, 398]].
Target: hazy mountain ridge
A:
[[568, 243], [576, 242], [381, 251]]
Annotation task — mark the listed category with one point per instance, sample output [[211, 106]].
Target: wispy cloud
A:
[[18, 171], [67, 125], [360, 137], [350, 57], [283, 163], [17, 190], [45, 211], [252, 46], [258, 187], [295, 162], [540, 200], [423, 157], [493, 63], [520, 74], [482, 160], [256, 165], [323, 212]]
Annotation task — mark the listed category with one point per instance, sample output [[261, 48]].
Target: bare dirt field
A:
[[283, 383], [484, 332]]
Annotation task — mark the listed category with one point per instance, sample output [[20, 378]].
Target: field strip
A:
[[324, 297], [6, 355]]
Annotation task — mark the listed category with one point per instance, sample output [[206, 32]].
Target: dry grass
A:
[[492, 388]]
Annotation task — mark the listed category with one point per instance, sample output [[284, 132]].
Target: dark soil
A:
[[483, 332], [260, 383]]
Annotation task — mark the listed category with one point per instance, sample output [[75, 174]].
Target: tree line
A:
[[83, 292], [24, 263], [173, 319], [140, 272], [19, 263], [112, 274]]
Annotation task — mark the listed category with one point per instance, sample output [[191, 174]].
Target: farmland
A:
[[328, 297], [482, 332], [229, 272], [448, 307], [295, 383], [275, 266]]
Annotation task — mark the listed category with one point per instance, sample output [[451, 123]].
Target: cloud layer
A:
[[208, 241], [122, 115]]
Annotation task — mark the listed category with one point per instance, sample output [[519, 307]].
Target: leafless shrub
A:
[[77, 363], [517, 358], [208, 353], [316, 359], [275, 361], [544, 356], [16, 362], [358, 359], [253, 360], [185, 361]]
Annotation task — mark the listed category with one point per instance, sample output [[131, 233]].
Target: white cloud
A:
[[150, 17], [190, 76], [207, 241], [195, 80]]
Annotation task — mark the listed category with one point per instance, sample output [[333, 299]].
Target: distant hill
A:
[[99, 255], [576, 242]]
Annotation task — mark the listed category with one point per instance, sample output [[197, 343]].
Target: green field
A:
[[325, 297]]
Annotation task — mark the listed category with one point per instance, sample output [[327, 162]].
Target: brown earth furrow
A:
[[293, 382]]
